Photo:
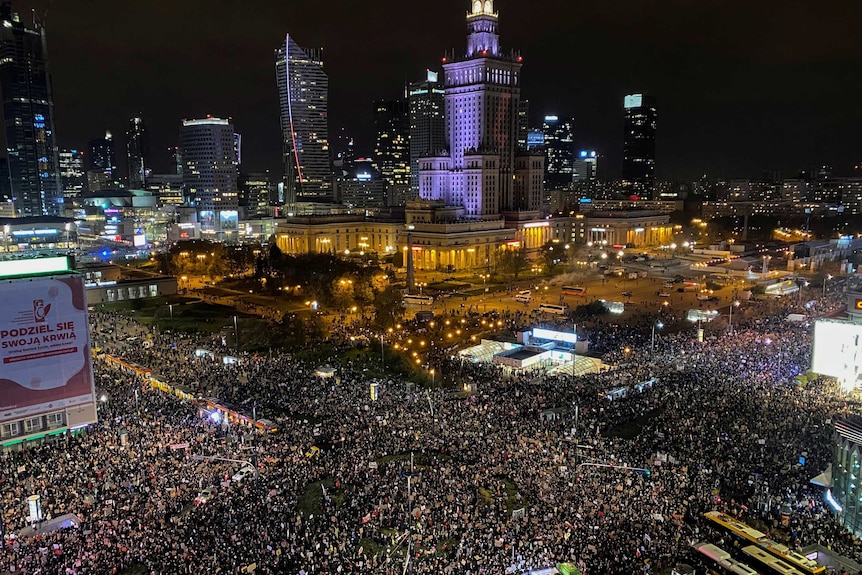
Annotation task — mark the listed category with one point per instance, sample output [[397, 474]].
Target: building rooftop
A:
[[850, 429]]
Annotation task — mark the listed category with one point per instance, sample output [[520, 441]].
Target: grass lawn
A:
[[191, 315], [312, 498]]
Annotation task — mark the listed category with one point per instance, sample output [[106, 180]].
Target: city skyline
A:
[[738, 94]]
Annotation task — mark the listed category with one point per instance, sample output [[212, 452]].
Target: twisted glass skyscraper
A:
[[303, 89]]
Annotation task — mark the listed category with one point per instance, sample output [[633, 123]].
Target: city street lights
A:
[[828, 277], [730, 323], [658, 325]]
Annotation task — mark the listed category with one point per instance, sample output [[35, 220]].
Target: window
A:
[[10, 429], [34, 424], [55, 420]]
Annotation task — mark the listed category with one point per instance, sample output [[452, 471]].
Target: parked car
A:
[[663, 294]]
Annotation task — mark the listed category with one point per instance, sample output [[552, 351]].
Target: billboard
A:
[[228, 221], [45, 361], [560, 336], [838, 352]]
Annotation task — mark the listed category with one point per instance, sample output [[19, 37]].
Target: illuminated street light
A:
[[730, 323], [658, 325]]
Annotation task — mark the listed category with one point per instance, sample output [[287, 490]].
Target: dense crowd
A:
[[507, 479]]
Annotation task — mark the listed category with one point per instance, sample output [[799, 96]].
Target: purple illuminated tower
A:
[[483, 92]]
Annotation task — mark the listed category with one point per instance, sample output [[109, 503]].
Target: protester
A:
[[447, 483]]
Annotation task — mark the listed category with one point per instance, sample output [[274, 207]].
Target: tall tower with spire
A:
[[483, 92]]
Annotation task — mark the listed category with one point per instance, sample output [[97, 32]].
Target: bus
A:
[[774, 564], [554, 309], [418, 300], [724, 559], [797, 560], [575, 290]]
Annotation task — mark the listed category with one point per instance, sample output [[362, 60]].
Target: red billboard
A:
[[45, 360]]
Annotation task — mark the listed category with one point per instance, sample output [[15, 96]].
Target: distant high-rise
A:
[[427, 123], [210, 171], [639, 144], [303, 89], [392, 148], [559, 152], [72, 173], [176, 159], [137, 153], [28, 116], [586, 166], [344, 152], [102, 164], [256, 193]]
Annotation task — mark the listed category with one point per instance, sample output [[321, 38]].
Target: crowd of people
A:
[[528, 471]]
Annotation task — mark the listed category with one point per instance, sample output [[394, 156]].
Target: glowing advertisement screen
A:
[[229, 220], [560, 336], [838, 351], [45, 362]]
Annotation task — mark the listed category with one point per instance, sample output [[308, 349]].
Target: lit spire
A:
[[482, 37], [481, 8]]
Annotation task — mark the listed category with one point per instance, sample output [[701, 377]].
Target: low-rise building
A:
[[635, 228]]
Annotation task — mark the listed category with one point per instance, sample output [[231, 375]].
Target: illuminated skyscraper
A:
[[137, 152], [427, 123], [559, 152], [210, 171], [72, 173], [586, 166], [639, 144], [28, 116], [392, 148], [483, 91], [102, 164], [303, 89]]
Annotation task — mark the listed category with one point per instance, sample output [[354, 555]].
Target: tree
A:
[[389, 307], [513, 262], [552, 255]]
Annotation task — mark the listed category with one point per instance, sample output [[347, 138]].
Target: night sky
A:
[[742, 85]]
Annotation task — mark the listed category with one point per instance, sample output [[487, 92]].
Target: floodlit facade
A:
[[303, 89], [482, 95]]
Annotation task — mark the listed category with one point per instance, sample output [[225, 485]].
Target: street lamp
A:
[[828, 277], [658, 325], [730, 323]]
